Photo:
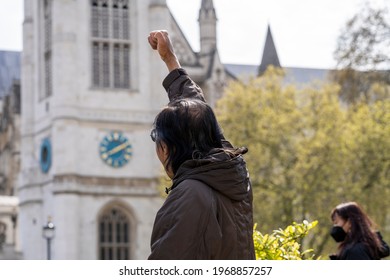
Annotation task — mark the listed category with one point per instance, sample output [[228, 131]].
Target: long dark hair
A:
[[361, 228], [190, 130]]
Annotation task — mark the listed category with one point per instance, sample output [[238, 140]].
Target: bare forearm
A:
[[172, 63]]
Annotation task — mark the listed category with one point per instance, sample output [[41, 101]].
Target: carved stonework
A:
[[182, 48]]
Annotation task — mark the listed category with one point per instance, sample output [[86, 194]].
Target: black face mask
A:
[[338, 233]]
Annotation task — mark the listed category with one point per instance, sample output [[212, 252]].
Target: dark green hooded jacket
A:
[[208, 212]]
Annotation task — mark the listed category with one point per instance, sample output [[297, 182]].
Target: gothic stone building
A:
[[90, 89], [77, 152]]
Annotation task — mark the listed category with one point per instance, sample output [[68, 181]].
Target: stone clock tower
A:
[[91, 87]]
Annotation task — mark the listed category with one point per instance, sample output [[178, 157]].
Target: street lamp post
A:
[[14, 218], [48, 232]]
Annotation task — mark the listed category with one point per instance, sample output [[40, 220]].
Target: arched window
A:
[[110, 43], [114, 235]]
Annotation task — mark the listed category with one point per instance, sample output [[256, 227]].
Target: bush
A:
[[283, 244]]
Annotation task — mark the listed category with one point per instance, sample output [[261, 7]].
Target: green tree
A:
[[251, 116], [362, 55], [369, 173], [307, 153]]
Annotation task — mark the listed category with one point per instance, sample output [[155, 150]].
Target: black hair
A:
[[189, 129]]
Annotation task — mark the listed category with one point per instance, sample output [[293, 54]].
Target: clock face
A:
[[115, 149]]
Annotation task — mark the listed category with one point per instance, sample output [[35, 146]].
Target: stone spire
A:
[[208, 27], [162, 3], [207, 5], [270, 56]]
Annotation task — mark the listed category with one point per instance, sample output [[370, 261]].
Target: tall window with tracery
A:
[[114, 235], [47, 47], [110, 43]]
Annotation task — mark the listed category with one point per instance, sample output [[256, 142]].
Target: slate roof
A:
[[9, 70], [293, 74]]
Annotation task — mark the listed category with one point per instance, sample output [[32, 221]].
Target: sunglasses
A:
[[153, 135]]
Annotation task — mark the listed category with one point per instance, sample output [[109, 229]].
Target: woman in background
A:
[[354, 230]]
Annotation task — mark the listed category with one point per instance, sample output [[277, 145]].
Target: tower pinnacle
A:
[[270, 56], [208, 27]]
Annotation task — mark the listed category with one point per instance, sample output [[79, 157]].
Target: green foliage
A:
[[363, 42], [283, 244], [308, 152], [362, 56]]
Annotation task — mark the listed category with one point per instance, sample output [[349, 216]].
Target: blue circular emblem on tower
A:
[[45, 155]]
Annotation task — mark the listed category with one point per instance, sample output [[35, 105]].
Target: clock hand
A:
[[117, 148]]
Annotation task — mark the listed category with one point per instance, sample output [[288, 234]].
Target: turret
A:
[[208, 27]]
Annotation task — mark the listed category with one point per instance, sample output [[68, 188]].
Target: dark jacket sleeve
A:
[[356, 252], [384, 250], [178, 84]]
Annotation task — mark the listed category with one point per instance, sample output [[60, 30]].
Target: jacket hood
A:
[[223, 170]]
